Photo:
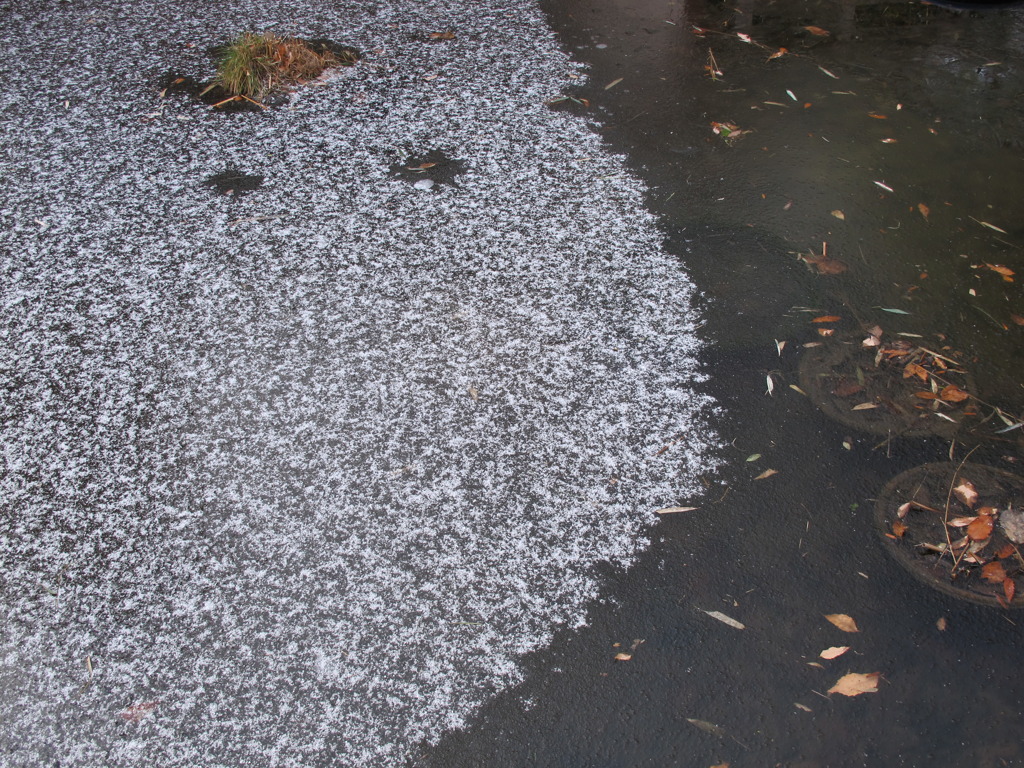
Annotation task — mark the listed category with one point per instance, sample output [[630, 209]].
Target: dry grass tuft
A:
[[254, 65]]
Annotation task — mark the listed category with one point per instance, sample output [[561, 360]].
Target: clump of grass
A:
[[256, 64]]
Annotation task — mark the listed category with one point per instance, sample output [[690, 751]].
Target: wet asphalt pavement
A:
[[944, 90]]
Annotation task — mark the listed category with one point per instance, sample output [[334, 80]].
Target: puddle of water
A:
[[908, 120]]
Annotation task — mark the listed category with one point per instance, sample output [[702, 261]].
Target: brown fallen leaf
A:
[[1009, 589], [994, 573], [967, 493], [824, 265], [623, 656], [767, 473], [817, 31], [878, 116], [847, 388], [839, 215], [1017, 319], [924, 209], [442, 35], [981, 528], [953, 394], [844, 622], [941, 624], [913, 369], [1006, 551], [827, 319], [855, 683], [834, 652], [899, 529]]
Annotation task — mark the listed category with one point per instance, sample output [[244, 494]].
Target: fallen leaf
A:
[[899, 529], [780, 345], [834, 652], [991, 226], [844, 622], [754, 457], [924, 209], [771, 385], [744, 37], [827, 319], [137, 712], [817, 31], [847, 388], [1005, 551], [613, 83], [961, 522], [779, 53], [994, 573], [878, 116], [981, 528], [721, 765], [967, 493], [803, 707], [1009, 589], [795, 388], [926, 395], [888, 141], [864, 407], [941, 624], [673, 510], [707, 727], [893, 311], [725, 619], [953, 394], [1017, 319], [767, 473], [855, 683], [839, 215], [1012, 522], [442, 35], [913, 369], [623, 656]]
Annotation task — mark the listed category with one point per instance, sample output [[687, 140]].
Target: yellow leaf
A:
[[855, 683], [844, 622], [839, 215]]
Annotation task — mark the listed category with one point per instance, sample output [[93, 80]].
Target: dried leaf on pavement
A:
[[856, 683], [843, 622], [725, 619], [834, 652]]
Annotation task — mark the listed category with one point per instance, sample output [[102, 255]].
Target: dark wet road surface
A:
[[780, 553]]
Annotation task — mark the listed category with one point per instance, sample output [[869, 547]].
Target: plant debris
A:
[[963, 527]]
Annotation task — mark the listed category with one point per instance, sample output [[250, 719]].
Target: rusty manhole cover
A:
[[959, 529], [889, 387]]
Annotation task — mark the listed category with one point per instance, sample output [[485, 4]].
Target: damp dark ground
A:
[[921, 217]]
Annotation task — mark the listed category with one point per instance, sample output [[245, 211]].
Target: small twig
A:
[[945, 516]]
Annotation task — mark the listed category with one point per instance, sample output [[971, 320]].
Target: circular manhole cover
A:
[[891, 388], [959, 529]]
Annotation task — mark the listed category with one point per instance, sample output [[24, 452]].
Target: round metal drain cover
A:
[[959, 529], [894, 389]]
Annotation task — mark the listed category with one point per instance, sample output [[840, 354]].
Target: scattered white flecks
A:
[[241, 471]]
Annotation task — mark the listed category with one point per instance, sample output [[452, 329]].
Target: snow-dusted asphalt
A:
[[294, 477]]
